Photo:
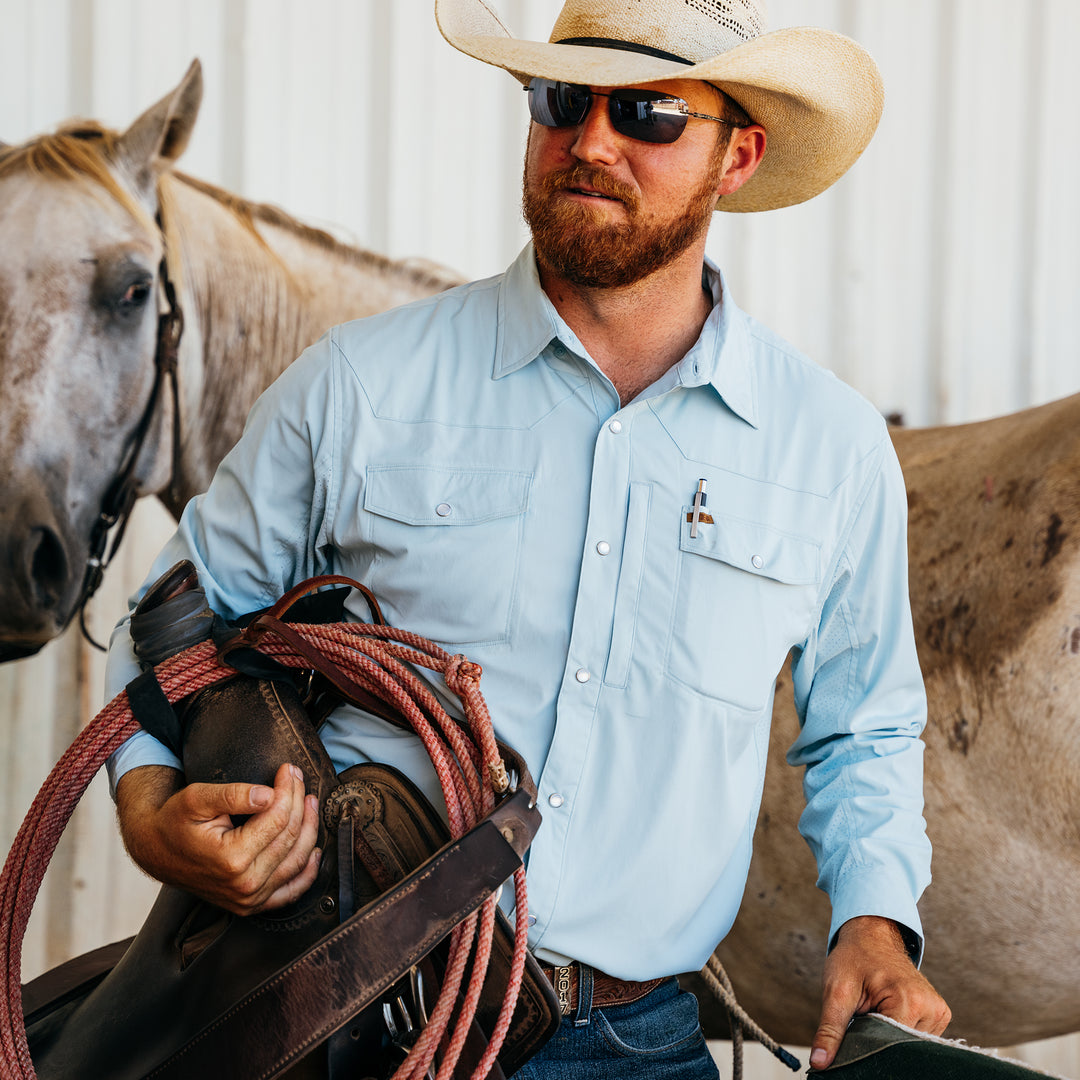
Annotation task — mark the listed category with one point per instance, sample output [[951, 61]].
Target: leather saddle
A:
[[340, 983]]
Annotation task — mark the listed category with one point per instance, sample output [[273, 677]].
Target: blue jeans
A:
[[656, 1038]]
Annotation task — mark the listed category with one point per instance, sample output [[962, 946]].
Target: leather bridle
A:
[[120, 496]]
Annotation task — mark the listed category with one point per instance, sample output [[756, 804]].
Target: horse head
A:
[[81, 291]]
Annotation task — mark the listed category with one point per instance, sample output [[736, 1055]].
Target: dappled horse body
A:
[[994, 542], [85, 219]]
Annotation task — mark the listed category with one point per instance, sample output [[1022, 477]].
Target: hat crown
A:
[[694, 30]]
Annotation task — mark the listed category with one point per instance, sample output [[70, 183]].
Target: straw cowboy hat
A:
[[818, 94]]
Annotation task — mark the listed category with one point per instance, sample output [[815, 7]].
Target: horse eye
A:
[[133, 299]]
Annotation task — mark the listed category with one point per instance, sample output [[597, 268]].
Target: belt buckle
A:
[[562, 979]]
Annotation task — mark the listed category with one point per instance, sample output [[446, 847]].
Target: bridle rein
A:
[[120, 496]]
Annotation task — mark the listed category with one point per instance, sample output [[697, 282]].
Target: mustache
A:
[[580, 175]]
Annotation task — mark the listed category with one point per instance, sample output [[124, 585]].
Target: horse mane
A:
[[250, 213], [86, 149], [81, 149]]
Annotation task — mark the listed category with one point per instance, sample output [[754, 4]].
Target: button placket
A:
[[589, 644]]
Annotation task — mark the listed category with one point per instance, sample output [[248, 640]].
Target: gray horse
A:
[[86, 217]]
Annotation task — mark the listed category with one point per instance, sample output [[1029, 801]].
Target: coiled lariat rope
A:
[[466, 760]]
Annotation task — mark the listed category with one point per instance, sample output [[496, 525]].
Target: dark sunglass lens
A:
[[557, 104], [647, 119]]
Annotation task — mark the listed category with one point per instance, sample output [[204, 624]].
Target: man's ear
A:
[[745, 150]]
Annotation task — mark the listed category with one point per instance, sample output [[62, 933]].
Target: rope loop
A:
[[372, 657]]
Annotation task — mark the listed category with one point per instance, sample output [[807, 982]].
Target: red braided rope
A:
[[467, 763]]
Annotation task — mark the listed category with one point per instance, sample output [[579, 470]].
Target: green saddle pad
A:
[[876, 1048]]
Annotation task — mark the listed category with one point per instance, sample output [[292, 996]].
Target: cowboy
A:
[[629, 502]]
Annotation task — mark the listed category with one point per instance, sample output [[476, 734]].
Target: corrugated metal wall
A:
[[938, 277]]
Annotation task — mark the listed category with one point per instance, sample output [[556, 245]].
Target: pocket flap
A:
[[756, 548], [428, 495]]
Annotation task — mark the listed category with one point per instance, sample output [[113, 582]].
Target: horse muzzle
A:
[[39, 578]]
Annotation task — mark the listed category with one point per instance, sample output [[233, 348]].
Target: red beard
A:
[[581, 246]]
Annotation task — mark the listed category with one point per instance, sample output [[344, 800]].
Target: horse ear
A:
[[158, 137]]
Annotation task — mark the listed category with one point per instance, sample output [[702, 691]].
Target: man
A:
[[629, 502]]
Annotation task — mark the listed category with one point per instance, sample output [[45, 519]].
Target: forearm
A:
[[140, 795]]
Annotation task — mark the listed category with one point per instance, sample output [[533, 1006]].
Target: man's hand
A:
[[185, 836], [869, 970]]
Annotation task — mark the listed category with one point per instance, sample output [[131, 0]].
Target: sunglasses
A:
[[646, 115]]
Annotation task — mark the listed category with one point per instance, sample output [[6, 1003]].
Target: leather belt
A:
[[607, 990]]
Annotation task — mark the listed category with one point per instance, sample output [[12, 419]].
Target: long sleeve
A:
[[257, 529], [860, 696]]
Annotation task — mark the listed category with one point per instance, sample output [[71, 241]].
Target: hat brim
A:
[[817, 94]]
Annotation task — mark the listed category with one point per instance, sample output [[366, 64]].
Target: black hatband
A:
[[625, 46]]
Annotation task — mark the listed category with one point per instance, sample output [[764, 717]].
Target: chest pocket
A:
[[746, 594], [447, 548]]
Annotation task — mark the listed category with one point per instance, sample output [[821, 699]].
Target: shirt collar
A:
[[528, 321], [721, 357], [722, 354]]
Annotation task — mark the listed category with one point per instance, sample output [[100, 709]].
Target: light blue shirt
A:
[[466, 459]]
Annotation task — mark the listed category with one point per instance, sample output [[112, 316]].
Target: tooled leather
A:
[[607, 990]]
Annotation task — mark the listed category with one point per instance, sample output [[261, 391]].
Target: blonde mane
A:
[[82, 150]]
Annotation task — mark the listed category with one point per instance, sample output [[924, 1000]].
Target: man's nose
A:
[[596, 139]]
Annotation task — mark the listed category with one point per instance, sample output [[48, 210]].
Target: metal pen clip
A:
[[700, 498]]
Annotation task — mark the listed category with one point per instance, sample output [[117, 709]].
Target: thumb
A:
[[836, 1013], [208, 801]]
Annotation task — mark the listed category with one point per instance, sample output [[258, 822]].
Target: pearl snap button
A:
[[615, 427], [758, 562], [531, 920], [603, 547], [582, 675], [555, 800], [444, 509]]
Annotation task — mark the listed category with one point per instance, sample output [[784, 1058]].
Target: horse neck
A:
[[256, 293]]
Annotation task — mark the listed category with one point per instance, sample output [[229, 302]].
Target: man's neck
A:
[[636, 332]]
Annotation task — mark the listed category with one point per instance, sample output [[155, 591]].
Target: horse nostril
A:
[[48, 567]]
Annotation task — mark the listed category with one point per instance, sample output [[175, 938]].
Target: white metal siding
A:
[[939, 277]]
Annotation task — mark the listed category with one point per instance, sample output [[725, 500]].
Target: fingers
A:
[[921, 1008], [272, 855], [283, 859], [294, 888], [841, 1001]]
